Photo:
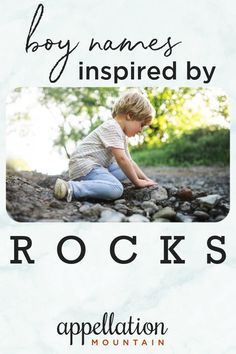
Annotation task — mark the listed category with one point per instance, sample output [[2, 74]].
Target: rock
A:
[[214, 212], [161, 220], [153, 201], [122, 208], [225, 206], [88, 203], [30, 198], [210, 200], [186, 206], [219, 218], [93, 211], [164, 203], [29, 189], [173, 191], [75, 218], [84, 208], [199, 194], [156, 193], [136, 210], [183, 218], [172, 200], [149, 207], [167, 213], [200, 182], [136, 195], [135, 202], [194, 204], [57, 205], [185, 194], [159, 193], [201, 215], [120, 201], [111, 216], [177, 204], [138, 218], [8, 205], [49, 220], [205, 209]]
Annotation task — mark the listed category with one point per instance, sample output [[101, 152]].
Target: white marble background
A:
[[195, 300]]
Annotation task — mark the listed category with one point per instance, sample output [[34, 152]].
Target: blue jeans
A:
[[100, 183]]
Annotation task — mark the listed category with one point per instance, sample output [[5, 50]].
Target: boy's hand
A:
[[141, 183], [149, 179], [131, 170]]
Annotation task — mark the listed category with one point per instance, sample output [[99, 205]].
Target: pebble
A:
[[201, 215], [167, 213], [159, 194], [136, 203], [138, 211], [161, 220], [88, 203], [138, 218], [84, 208], [173, 191], [111, 216], [219, 218], [164, 203], [121, 208], [120, 201], [93, 211], [209, 203], [119, 205], [171, 200], [185, 193], [177, 204], [183, 218], [225, 206], [210, 200], [149, 207], [56, 204], [186, 206], [49, 220], [214, 212]]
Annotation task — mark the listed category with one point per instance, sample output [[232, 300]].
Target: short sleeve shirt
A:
[[95, 149]]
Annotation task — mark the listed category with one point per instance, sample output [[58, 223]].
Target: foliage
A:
[[182, 110], [182, 132], [87, 105], [208, 146]]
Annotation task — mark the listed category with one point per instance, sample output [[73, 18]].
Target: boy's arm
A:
[[139, 172], [128, 168]]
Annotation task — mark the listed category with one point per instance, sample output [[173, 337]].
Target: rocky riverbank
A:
[[199, 194]]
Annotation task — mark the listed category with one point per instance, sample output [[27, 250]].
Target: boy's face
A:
[[133, 127]]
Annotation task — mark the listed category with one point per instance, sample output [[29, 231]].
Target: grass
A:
[[205, 147]]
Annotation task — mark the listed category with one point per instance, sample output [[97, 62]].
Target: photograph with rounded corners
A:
[[110, 154]]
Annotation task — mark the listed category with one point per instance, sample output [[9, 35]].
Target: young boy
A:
[[102, 160]]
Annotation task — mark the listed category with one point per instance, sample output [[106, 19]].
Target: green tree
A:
[[182, 110], [178, 111], [89, 105]]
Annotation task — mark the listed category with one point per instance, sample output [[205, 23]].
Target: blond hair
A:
[[136, 104]]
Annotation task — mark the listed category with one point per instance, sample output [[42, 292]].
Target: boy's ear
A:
[[129, 116]]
